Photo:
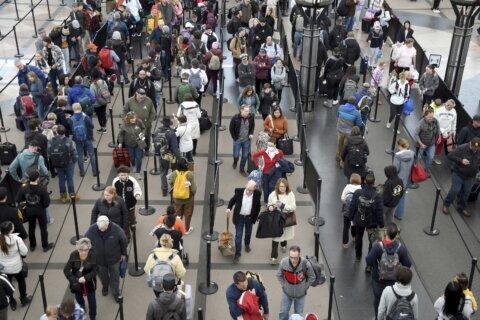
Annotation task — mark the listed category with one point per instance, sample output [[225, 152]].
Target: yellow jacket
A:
[[163, 254]]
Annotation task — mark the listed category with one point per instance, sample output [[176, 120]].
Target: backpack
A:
[[365, 105], [365, 215], [342, 9], [195, 80], [158, 271], [79, 129], [459, 315], [210, 40], [59, 152], [102, 94], [211, 20], [388, 265], [180, 189], [160, 142], [195, 52], [214, 63], [349, 89], [31, 199], [255, 276], [230, 26], [317, 269], [402, 308], [228, 43], [356, 155], [85, 101], [105, 59], [27, 107], [116, 27]]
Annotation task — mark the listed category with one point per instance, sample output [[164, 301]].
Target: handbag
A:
[[408, 107], [451, 145], [24, 264], [122, 267], [226, 245], [418, 173], [270, 224], [290, 217], [286, 145]]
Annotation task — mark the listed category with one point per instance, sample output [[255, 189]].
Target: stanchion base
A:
[[99, 187], [146, 211], [112, 144], [302, 190], [73, 240], [34, 36], [222, 128], [321, 221], [208, 288], [170, 102], [62, 4], [133, 272], [50, 19], [374, 120], [220, 202], [414, 186], [18, 55], [219, 161], [434, 232], [4, 129], [389, 151], [298, 162], [210, 237], [154, 172]]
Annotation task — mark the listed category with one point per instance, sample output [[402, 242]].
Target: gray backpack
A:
[[389, 264], [349, 89], [158, 271], [195, 79]]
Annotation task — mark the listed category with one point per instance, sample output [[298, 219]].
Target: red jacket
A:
[[262, 72], [268, 163], [248, 302]]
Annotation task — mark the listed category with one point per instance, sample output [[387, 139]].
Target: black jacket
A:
[[464, 152], [236, 122], [392, 188], [37, 196], [107, 246], [41, 139], [116, 211], [8, 213], [368, 192], [175, 234], [467, 133], [375, 255], [236, 201], [348, 169], [147, 85], [352, 50], [89, 271], [120, 48]]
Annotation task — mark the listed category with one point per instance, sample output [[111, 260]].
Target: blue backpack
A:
[[79, 129]]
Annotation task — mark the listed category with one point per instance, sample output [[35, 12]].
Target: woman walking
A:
[[191, 110], [132, 137], [403, 161]]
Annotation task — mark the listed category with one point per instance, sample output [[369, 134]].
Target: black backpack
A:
[[365, 216], [356, 155], [59, 152], [402, 308], [459, 315], [342, 9]]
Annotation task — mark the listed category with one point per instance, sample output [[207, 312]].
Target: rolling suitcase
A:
[[185, 291], [8, 152], [475, 190], [19, 124]]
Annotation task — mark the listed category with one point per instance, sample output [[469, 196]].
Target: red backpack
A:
[[104, 57], [27, 107]]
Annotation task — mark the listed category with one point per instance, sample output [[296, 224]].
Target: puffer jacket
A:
[[295, 281], [191, 110], [16, 250], [116, 211], [76, 92], [246, 74], [184, 134], [426, 132], [130, 133], [348, 117], [271, 178]]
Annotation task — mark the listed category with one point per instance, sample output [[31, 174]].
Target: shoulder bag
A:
[[285, 144], [290, 217], [24, 264]]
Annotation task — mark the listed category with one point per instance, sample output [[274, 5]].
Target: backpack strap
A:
[[396, 294]]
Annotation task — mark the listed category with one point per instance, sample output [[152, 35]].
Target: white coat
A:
[[290, 206], [184, 131], [191, 110], [13, 261]]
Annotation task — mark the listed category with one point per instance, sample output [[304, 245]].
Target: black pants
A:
[[236, 62], [22, 286], [436, 3], [101, 113], [274, 253], [346, 226], [394, 110], [41, 216], [359, 231], [426, 100], [195, 141], [332, 89]]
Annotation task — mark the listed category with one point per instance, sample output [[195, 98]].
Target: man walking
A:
[[168, 304], [240, 285], [247, 207], [466, 163], [241, 129], [295, 275]]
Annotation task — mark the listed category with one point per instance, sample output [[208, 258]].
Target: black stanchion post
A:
[[42, 288], [200, 314], [316, 220], [316, 236], [377, 99], [330, 297], [156, 170], [211, 235], [135, 270], [112, 144], [146, 210], [16, 10], [170, 101], [220, 202], [140, 49], [208, 287], [48, 9], [303, 188], [122, 84], [63, 4], [303, 128], [75, 238], [219, 113], [431, 231], [120, 308], [98, 186], [472, 272], [3, 128], [391, 151], [18, 55], [35, 35], [164, 107]]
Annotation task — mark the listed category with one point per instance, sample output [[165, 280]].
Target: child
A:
[[347, 194], [129, 189], [435, 104], [51, 313], [462, 280]]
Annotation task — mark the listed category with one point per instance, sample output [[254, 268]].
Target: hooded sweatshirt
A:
[[392, 188], [403, 161], [467, 134], [167, 301], [348, 117], [295, 281], [25, 160], [347, 195], [375, 255], [447, 120], [388, 299]]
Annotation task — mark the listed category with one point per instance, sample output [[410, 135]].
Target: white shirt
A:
[[406, 56], [447, 120], [246, 204]]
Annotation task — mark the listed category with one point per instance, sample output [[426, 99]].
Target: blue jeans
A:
[[41, 109], [400, 211], [377, 294], [460, 190], [297, 44], [76, 48], [243, 221], [428, 153], [66, 175], [349, 21], [286, 303], [53, 76], [135, 154], [92, 303], [245, 147], [88, 145], [122, 68]]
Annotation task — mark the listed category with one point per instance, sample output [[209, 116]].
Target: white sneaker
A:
[[398, 131], [273, 261], [190, 230], [51, 221], [335, 102], [437, 160], [389, 124], [436, 11], [284, 249], [138, 176]]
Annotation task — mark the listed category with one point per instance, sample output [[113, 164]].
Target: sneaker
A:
[[398, 131], [138, 176], [284, 249], [51, 221], [437, 160], [389, 124], [236, 259], [127, 81], [234, 164], [85, 159], [25, 301], [13, 304], [436, 11], [335, 102], [100, 130], [190, 230], [368, 269], [32, 248], [104, 130], [273, 261], [247, 249], [48, 247]]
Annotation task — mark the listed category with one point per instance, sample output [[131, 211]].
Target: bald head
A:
[[250, 187]]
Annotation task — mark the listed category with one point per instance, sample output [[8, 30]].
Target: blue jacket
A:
[[375, 255], [123, 29], [275, 173], [156, 35], [76, 91], [22, 74], [348, 117], [233, 294], [88, 123]]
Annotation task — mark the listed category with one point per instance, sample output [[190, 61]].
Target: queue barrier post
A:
[[122, 83], [135, 270], [35, 35], [18, 55], [472, 272], [16, 11], [303, 188], [431, 231], [316, 220], [146, 210], [209, 287], [76, 237], [377, 99], [156, 170], [3, 128], [391, 151], [98, 186], [49, 14], [200, 314], [42, 289], [112, 143], [211, 235], [120, 308], [164, 107], [330, 297], [301, 137], [170, 100]]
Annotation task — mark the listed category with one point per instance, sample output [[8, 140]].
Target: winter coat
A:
[[426, 132], [127, 190], [70, 145], [88, 123], [403, 34], [238, 45], [268, 163], [346, 197], [248, 302], [369, 192], [191, 110], [163, 253], [280, 126], [429, 82], [116, 211], [167, 301], [208, 56], [352, 50], [295, 281], [130, 133], [184, 133], [233, 294], [348, 169], [246, 74], [262, 67], [94, 87], [22, 74], [392, 188], [270, 179], [389, 298], [236, 123], [17, 249], [8, 213], [403, 161], [465, 152], [108, 246], [147, 85], [266, 101], [172, 140], [253, 101], [57, 56], [288, 205], [467, 133], [88, 270], [183, 89], [120, 48], [76, 91], [236, 201], [25, 160], [144, 110]]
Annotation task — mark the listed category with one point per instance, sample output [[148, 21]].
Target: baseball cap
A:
[[244, 56], [141, 91], [188, 25]]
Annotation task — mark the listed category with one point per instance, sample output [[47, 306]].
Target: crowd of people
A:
[[60, 134]]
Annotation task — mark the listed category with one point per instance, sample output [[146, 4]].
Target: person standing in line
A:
[[54, 56], [295, 276], [447, 121], [241, 284], [403, 161], [347, 195], [191, 110], [428, 84], [393, 190], [241, 130], [470, 131], [425, 135], [6, 294], [131, 135], [168, 303], [247, 203], [109, 245], [26, 159], [334, 71], [405, 56], [453, 303], [466, 161], [400, 92], [9, 213], [375, 41], [37, 89], [111, 206], [184, 134]]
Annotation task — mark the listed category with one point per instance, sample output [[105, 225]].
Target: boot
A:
[[63, 198], [328, 103], [73, 194]]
